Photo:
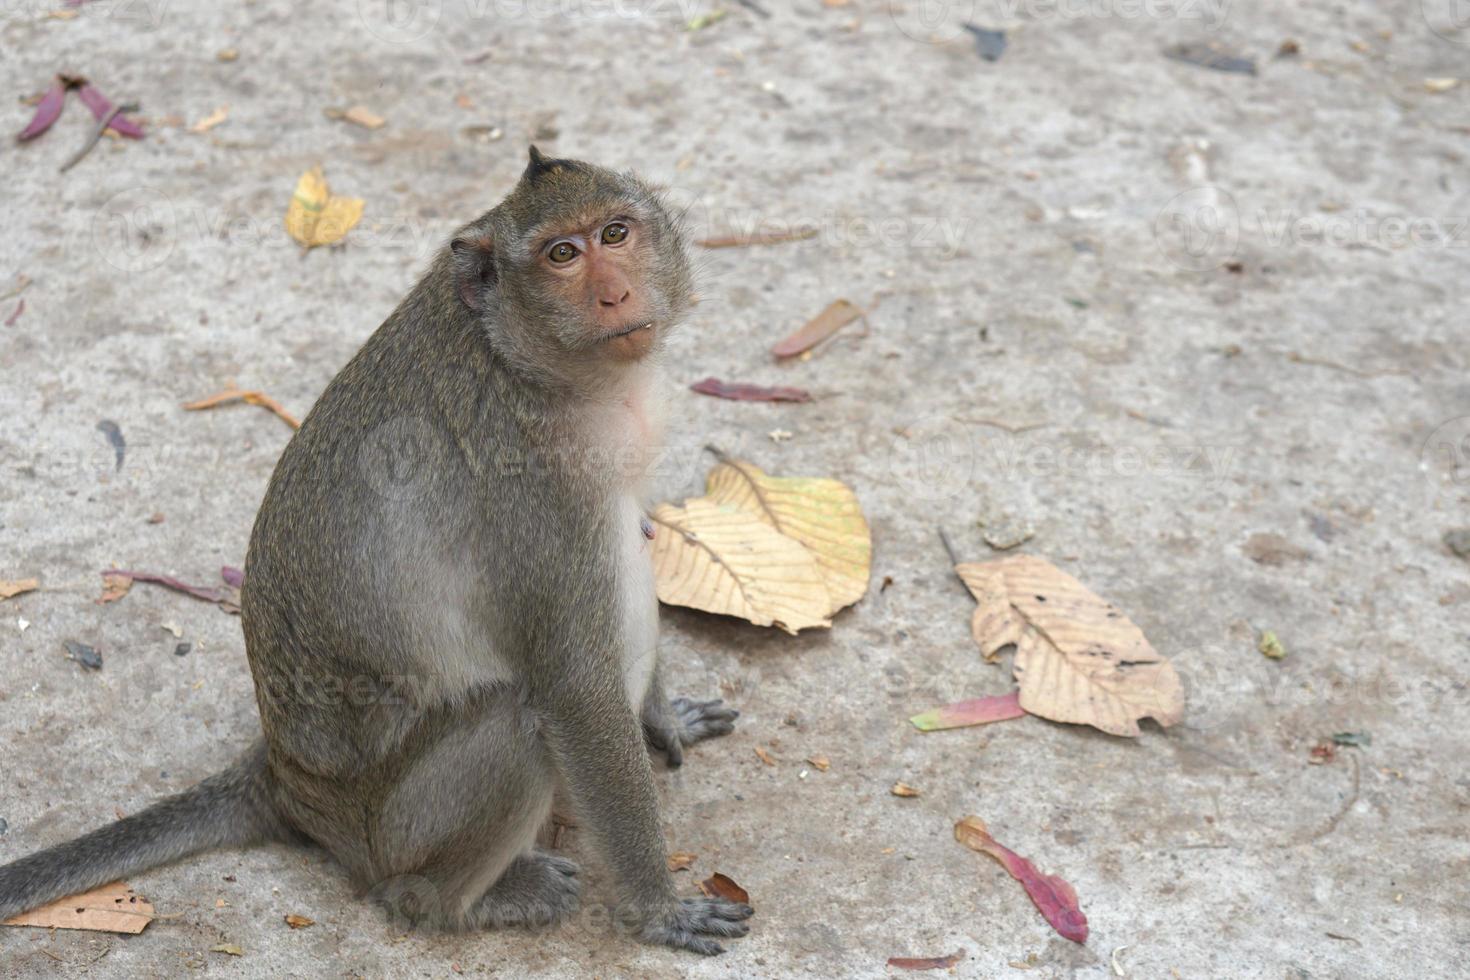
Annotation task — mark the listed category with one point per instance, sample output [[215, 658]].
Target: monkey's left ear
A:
[[474, 268]]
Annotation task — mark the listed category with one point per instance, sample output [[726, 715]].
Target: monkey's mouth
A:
[[628, 331]]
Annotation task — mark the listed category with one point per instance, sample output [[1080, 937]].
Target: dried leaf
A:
[[723, 560], [759, 238], [1209, 54], [212, 120], [111, 908], [364, 117], [836, 316], [14, 587], [48, 110], [975, 711], [739, 392], [114, 587], [1078, 658], [989, 44], [299, 921], [1271, 646], [87, 656], [822, 514], [227, 596], [1056, 899], [231, 395], [721, 886], [903, 789], [927, 962], [102, 107], [1354, 739], [229, 949], [681, 861], [315, 216], [1438, 85], [700, 22], [764, 755], [820, 762]]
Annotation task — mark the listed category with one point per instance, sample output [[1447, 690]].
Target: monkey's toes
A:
[[704, 719], [536, 890], [694, 919]]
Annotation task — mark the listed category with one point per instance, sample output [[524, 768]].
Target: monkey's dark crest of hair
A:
[[437, 647]]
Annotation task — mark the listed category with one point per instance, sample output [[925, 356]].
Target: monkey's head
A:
[[578, 272]]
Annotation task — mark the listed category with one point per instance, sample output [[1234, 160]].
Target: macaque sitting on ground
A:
[[449, 605]]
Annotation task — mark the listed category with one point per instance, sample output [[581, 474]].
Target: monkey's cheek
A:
[[633, 346]]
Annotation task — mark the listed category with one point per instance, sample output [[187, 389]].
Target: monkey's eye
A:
[[614, 233], [562, 252]]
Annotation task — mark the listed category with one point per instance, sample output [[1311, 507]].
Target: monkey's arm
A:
[[597, 747], [671, 725]]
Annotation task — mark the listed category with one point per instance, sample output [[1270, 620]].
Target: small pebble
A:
[[4, 826], [182, 649], [1458, 541]]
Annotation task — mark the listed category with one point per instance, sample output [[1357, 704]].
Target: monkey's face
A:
[[590, 269], [600, 272]]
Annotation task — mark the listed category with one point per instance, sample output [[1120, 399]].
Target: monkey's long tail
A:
[[230, 808]]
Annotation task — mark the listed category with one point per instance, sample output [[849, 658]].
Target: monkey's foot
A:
[[538, 889], [690, 923], [686, 722]]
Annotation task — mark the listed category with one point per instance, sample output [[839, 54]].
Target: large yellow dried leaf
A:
[[315, 216], [111, 908], [1078, 658], [822, 514], [724, 560]]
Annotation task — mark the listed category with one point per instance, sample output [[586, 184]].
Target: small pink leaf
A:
[[738, 392], [837, 315], [48, 110], [101, 105], [975, 711], [1056, 899]]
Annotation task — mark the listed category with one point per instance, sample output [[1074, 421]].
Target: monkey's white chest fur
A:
[[640, 602], [636, 425]]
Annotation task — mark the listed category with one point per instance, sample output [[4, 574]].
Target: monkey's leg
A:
[[454, 839], [671, 725]]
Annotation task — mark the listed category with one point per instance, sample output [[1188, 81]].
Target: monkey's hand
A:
[[690, 922], [671, 725]]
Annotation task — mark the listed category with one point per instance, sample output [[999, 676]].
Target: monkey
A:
[[449, 608]]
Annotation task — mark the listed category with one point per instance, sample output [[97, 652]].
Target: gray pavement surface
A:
[[1234, 306]]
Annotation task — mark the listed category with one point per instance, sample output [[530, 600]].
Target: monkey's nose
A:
[[605, 301]]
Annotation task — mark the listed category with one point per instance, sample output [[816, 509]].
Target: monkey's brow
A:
[[543, 234]]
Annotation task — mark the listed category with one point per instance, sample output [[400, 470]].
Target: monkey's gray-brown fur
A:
[[448, 604]]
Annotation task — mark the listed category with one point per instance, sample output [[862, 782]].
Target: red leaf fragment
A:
[[723, 886], [48, 110], [739, 392], [927, 962], [19, 309], [975, 711], [101, 105], [1055, 898], [227, 598], [837, 315]]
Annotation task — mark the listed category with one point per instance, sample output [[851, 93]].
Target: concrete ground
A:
[[1234, 305]]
